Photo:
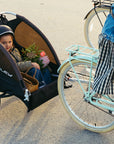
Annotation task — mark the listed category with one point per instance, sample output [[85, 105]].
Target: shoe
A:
[[42, 84], [111, 112], [67, 85]]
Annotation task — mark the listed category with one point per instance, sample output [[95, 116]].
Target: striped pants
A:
[[104, 75]]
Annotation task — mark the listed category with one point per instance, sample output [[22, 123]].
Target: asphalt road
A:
[[62, 22]]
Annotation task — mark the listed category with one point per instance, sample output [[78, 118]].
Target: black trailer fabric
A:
[[11, 81], [42, 95]]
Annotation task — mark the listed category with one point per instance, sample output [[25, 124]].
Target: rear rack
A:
[[83, 51]]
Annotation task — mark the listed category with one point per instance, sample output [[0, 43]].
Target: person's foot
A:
[[42, 84], [111, 112]]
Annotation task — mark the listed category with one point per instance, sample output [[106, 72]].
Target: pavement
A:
[[62, 22]]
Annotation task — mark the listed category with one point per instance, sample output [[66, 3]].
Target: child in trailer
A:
[[6, 39], [104, 75]]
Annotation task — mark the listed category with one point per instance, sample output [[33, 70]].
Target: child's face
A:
[[7, 41]]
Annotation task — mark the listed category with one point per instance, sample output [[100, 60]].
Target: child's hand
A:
[[45, 60], [34, 64]]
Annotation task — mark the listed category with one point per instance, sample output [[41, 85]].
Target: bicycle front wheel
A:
[[93, 25], [72, 98]]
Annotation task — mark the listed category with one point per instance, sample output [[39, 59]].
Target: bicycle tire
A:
[[73, 99], [92, 26]]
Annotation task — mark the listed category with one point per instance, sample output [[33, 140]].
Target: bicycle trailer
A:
[[11, 81]]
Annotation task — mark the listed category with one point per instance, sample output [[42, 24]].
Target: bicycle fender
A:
[[89, 13], [79, 59], [63, 63]]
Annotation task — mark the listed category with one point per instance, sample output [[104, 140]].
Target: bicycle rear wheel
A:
[[93, 26], [72, 98]]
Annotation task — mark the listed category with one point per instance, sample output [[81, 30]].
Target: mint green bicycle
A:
[[76, 75]]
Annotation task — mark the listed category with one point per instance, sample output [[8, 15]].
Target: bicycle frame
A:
[[80, 53]]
